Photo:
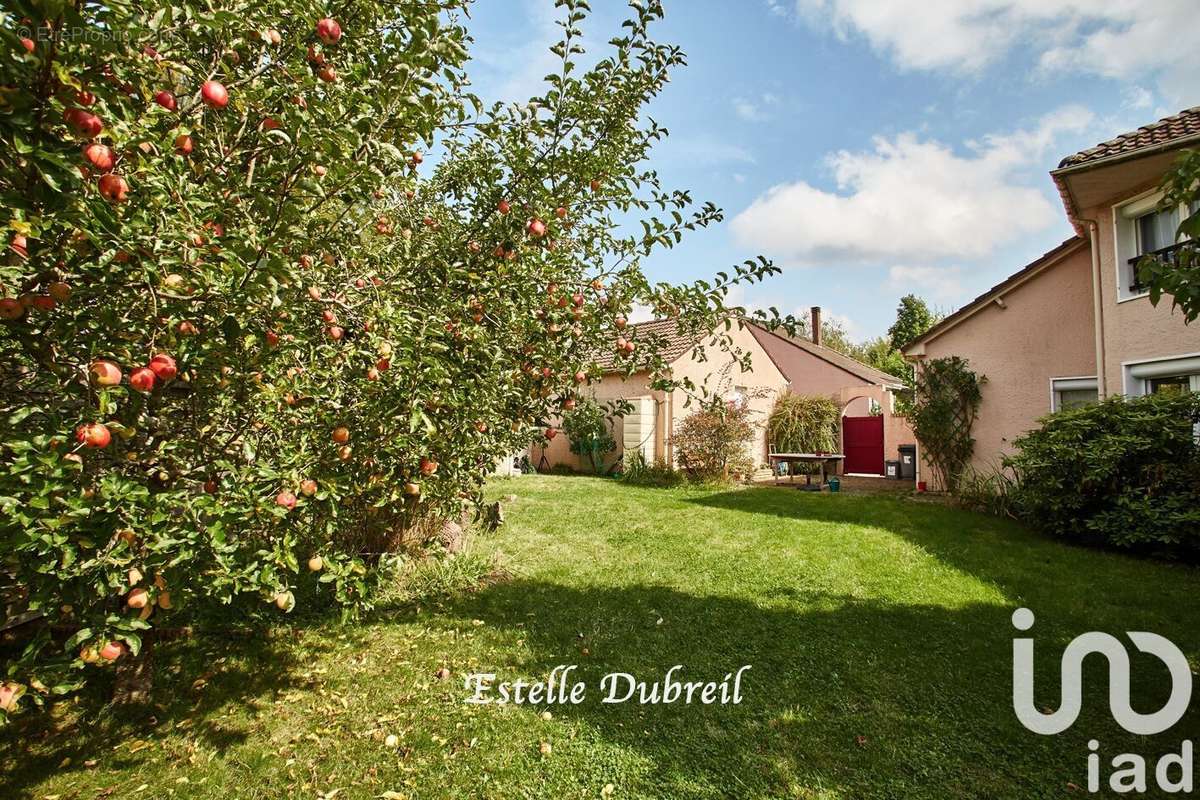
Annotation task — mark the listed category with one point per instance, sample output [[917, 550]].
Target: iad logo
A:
[[1131, 768]]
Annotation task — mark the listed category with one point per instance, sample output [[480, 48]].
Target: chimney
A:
[[816, 325]]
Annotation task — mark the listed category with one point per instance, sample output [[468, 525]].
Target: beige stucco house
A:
[[1074, 326], [778, 364]]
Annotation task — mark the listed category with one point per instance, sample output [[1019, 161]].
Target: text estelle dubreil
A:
[[561, 688]]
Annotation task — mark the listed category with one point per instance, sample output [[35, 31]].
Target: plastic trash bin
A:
[[908, 462], [892, 469]]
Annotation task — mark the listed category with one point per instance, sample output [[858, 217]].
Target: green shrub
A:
[[992, 492], [710, 444], [640, 472], [801, 423], [1125, 472], [589, 430]]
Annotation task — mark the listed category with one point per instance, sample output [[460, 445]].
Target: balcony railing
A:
[[1168, 255]]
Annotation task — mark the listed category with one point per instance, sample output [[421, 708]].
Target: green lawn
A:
[[878, 630]]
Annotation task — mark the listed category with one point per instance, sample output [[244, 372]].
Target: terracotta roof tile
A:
[[678, 342], [1184, 125]]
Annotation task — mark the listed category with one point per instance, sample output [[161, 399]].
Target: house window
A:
[[1068, 393], [1174, 375], [1174, 384], [1143, 227]]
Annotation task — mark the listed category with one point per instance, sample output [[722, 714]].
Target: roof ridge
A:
[[970, 307], [837, 355], [1180, 125]]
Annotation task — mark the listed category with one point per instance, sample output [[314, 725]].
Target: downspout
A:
[[1098, 305]]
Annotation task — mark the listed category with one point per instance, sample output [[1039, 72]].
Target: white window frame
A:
[[1058, 385], [1125, 237], [1137, 374]]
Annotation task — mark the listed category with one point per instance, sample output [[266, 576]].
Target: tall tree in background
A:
[[913, 318]]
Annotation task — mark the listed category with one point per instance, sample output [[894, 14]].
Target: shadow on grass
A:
[[197, 680], [927, 688], [869, 699], [1086, 588]]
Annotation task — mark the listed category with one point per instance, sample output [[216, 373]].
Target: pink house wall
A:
[[1133, 329], [811, 375], [1045, 330]]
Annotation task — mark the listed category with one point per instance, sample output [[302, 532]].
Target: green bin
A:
[[835, 485]]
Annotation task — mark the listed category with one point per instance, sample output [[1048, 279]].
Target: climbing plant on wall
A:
[[946, 398]]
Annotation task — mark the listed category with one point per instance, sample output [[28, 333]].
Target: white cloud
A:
[[943, 284], [641, 313], [755, 109], [911, 199], [853, 330], [1124, 39], [1137, 97]]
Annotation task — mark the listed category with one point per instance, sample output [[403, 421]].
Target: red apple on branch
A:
[[142, 380], [286, 499], [163, 367], [340, 435], [166, 100], [100, 156], [214, 95], [329, 31], [93, 434], [536, 228], [113, 188], [85, 124], [104, 372], [112, 651], [11, 309], [184, 144], [503, 206]]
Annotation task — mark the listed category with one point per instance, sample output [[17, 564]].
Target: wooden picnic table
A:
[[821, 459]]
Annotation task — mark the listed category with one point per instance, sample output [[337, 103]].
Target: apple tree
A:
[[253, 334]]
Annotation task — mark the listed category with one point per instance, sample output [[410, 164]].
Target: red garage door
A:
[[862, 442]]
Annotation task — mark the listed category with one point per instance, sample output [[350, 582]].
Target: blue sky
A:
[[874, 148]]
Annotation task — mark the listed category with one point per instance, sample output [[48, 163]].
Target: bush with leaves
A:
[[710, 444], [589, 429], [636, 470], [804, 423], [946, 398], [1124, 472], [247, 333]]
